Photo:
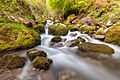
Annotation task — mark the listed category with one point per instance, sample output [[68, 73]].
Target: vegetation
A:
[[12, 61], [42, 63], [32, 54], [15, 36]]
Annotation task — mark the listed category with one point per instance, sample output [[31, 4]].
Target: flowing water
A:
[[65, 58]]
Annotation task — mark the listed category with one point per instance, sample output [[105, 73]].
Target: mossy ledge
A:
[[15, 36]]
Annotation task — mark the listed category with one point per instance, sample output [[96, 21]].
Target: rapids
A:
[[65, 58]]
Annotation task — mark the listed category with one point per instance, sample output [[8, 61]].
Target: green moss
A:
[[12, 61], [42, 63], [95, 48], [15, 35], [113, 35], [56, 39], [61, 30], [52, 29], [3, 20], [32, 54], [40, 28]]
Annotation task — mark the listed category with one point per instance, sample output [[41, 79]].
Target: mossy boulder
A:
[[61, 30], [17, 36], [113, 35], [12, 61], [41, 63], [95, 48], [32, 54], [56, 39], [58, 29], [40, 28]]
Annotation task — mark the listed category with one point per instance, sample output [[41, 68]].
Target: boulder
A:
[[33, 53], [12, 61], [95, 48], [61, 30], [39, 28], [58, 29], [75, 42], [72, 43], [113, 35], [56, 39], [41, 63]]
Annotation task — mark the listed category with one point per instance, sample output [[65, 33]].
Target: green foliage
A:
[[3, 20]]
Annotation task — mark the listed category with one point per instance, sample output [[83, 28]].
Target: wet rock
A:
[[54, 44], [99, 37], [33, 53], [95, 48], [12, 61], [68, 75], [75, 42], [87, 28], [87, 20], [109, 23], [71, 17], [80, 39], [73, 34], [61, 30], [113, 35], [56, 39], [41, 63], [100, 31], [58, 29], [39, 28], [72, 43]]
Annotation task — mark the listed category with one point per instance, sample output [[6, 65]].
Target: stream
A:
[[64, 58]]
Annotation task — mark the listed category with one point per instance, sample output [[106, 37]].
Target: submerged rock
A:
[[69, 75], [41, 63], [75, 42], [72, 43], [32, 54], [56, 39], [113, 35], [12, 61]]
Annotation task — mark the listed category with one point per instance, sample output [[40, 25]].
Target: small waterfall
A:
[[48, 23]]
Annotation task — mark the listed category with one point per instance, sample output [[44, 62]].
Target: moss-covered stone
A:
[[17, 36], [58, 29], [52, 29], [56, 39], [95, 48], [32, 54], [12, 61], [61, 30], [41, 63], [40, 28], [113, 35]]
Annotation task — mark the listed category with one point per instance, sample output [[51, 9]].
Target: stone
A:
[[113, 35], [56, 39], [95, 48], [41, 63], [12, 61], [33, 53]]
